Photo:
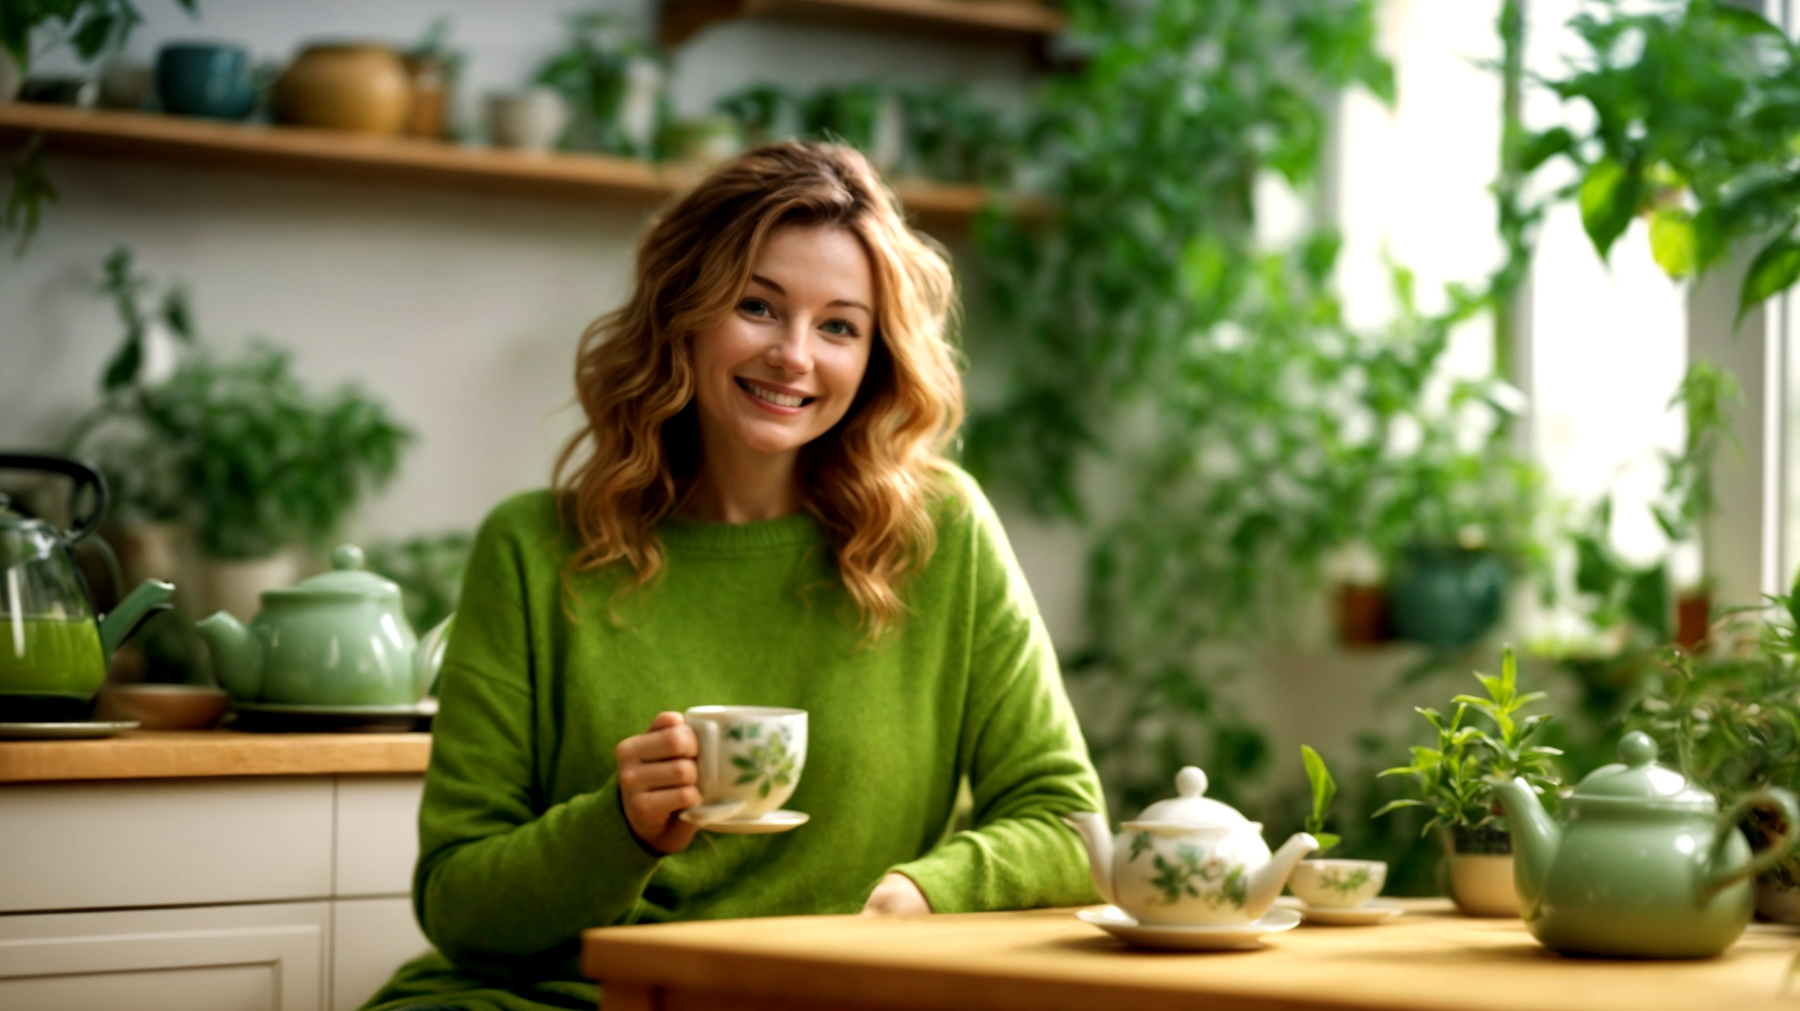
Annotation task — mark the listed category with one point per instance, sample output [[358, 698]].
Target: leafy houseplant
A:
[[611, 78], [239, 450]]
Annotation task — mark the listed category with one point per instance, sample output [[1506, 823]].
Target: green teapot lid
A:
[[347, 579], [1640, 778]]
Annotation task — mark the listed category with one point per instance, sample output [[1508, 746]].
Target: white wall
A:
[[461, 311]]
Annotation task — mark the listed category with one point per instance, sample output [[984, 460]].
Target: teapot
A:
[[1644, 865], [53, 651], [1188, 861], [337, 639]]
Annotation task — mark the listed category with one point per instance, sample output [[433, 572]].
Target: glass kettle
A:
[[53, 648]]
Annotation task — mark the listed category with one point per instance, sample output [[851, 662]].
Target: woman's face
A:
[[783, 368]]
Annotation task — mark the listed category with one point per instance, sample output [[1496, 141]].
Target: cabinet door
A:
[[164, 842], [377, 834], [370, 938], [228, 958]]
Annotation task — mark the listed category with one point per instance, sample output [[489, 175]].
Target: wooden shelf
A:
[[1008, 21], [168, 754], [327, 153]]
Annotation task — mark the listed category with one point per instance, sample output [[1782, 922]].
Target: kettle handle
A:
[[1775, 797], [83, 476]]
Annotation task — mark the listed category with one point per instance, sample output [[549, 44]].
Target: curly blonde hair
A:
[[871, 480]]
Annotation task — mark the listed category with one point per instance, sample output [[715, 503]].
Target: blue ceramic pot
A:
[[1445, 596], [210, 79]]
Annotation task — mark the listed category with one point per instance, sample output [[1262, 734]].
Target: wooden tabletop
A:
[[165, 754], [1430, 959]]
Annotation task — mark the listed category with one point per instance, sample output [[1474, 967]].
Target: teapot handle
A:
[[1775, 797], [83, 476]]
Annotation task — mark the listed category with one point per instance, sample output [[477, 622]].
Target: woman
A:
[[757, 513]]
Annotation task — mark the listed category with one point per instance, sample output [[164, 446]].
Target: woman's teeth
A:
[[778, 399]]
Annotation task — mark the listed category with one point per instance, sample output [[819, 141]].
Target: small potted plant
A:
[[1454, 780], [1331, 884]]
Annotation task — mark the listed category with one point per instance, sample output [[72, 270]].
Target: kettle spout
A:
[[151, 596], [236, 653], [1534, 839], [1268, 880], [1098, 839]]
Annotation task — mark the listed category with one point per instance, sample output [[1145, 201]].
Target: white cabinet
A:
[[317, 868], [218, 958]]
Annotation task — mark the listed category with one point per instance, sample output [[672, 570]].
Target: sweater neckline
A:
[[801, 528]]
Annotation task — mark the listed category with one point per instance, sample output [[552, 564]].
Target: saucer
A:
[[708, 814], [774, 821], [1371, 912], [64, 731], [1214, 937]]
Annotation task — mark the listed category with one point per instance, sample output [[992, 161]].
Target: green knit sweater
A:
[[522, 840]]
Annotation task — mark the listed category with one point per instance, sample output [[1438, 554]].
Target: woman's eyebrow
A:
[[779, 290]]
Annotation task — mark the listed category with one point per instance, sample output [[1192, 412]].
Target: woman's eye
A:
[[755, 307], [839, 328]]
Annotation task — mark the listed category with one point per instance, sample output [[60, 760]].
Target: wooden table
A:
[[1044, 960]]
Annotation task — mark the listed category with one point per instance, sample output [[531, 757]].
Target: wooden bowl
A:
[[163, 707]]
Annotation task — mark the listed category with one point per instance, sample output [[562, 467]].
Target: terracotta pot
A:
[[1361, 615], [1693, 616], [361, 88], [431, 85]]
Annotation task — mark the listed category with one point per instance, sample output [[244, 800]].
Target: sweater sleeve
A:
[[500, 873], [1023, 752]]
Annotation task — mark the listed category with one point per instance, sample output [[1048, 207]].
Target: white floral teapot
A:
[[1188, 861]]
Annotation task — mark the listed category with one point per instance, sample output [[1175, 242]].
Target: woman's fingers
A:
[[676, 741], [659, 775]]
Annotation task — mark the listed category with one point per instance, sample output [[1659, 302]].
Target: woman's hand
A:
[[896, 896], [657, 777]]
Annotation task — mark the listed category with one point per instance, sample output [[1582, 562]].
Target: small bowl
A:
[[1337, 884], [163, 707]]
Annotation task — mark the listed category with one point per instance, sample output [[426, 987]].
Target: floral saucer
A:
[[1369, 913], [774, 821], [1215, 937]]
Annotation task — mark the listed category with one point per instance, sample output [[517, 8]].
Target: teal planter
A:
[[1444, 596], [208, 79]]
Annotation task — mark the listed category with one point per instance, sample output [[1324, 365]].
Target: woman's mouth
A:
[[771, 397]]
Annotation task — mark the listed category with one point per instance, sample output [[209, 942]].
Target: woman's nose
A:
[[790, 353]]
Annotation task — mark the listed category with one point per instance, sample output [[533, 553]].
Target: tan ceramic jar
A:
[[359, 87]]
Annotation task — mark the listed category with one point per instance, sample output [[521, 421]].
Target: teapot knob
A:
[[1190, 782], [346, 556], [1637, 749]]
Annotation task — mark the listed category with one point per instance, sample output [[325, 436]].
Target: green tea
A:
[[50, 656]]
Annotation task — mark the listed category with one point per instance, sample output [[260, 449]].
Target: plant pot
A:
[[10, 77], [1481, 884], [236, 586], [1362, 615], [361, 88], [1777, 900], [431, 84], [531, 120], [1445, 596], [1693, 618], [209, 79]]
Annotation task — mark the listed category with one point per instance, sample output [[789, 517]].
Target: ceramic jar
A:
[[362, 88], [530, 120]]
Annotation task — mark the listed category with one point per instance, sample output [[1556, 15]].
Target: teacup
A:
[[1337, 884], [750, 760]]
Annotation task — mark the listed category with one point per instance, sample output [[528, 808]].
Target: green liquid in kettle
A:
[[49, 656]]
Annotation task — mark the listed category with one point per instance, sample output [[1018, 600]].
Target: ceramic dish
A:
[[774, 821], [1223, 937], [1369, 913], [64, 731]]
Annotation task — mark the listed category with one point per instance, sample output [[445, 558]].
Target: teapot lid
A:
[[347, 579], [1191, 809], [1639, 777]]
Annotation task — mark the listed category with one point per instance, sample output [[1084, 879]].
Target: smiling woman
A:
[[757, 517]]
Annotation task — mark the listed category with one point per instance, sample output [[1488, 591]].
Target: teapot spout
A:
[[1535, 839], [236, 653], [1268, 880], [1098, 839], [151, 596]]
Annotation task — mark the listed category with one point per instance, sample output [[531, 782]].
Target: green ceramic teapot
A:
[[1643, 866], [337, 639]]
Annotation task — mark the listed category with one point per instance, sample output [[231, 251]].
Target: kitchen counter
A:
[[1044, 960], [178, 754]]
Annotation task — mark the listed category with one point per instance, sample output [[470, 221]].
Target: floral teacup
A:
[[1337, 884]]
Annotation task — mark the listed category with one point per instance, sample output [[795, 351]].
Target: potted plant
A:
[[613, 81], [1328, 883], [251, 463], [1454, 785]]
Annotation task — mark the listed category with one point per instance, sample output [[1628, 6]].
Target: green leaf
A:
[[741, 762], [123, 369], [1323, 788], [1647, 602], [177, 314], [1541, 147], [1395, 805], [94, 34], [748, 777], [1773, 271], [1609, 198], [1327, 840], [1673, 242]]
